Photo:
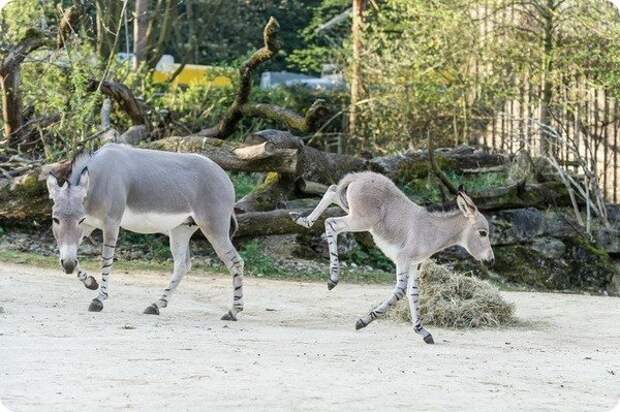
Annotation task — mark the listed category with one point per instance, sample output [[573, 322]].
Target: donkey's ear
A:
[[83, 182], [461, 189], [52, 185], [466, 205], [84, 179]]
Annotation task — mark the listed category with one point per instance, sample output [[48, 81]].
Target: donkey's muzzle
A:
[[68, 265]]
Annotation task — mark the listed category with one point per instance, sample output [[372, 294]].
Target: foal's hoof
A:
[[331, 284], [229, 316], [91, 283], [95, 306], [151, 310], [360, 324], [429, 339]]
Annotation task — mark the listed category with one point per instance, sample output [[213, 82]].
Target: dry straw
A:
[[459, 300]]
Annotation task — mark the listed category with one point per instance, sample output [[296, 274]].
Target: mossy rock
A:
[[582, 267]]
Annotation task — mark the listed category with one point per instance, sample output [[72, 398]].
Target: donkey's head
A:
[[475, 236], [68, 214]]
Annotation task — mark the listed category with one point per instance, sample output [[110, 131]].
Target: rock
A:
[[549, 247], [521, 169]]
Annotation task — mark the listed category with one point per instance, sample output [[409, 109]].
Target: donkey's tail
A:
[[233, 225]]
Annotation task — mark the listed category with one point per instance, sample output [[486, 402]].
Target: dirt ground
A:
[[294, 348]]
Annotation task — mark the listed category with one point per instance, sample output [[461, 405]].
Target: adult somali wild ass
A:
[[404, 231], [145, 191]]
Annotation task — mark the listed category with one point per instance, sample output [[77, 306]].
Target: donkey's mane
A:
[[78, 164]]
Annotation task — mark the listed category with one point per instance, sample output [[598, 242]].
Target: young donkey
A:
[[405, 232], [145, 191]]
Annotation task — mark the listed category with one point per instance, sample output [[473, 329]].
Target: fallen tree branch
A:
[[242, 107], [135, 108]]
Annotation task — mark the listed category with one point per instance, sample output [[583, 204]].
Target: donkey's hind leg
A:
[[179, 246], [334, 226], [219, 237], [330, 196]]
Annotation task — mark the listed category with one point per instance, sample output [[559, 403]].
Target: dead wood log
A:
[[279, 222], [415, 164], [265, 159], [241, 106]]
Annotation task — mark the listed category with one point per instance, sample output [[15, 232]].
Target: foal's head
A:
[[475, 236], [68, 215]]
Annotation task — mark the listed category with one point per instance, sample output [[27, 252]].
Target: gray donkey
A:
[[405, 232], [145, 191]]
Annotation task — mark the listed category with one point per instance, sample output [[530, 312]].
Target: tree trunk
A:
[[356, 71], [547, 92], [107, 17], [11, 106], [140, 25]]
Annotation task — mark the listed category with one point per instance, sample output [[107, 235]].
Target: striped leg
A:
[[229, 255], [110, 235], [402, 275], [328, 198], [413, 296], [179, 246], [88, 281], [334, 226]]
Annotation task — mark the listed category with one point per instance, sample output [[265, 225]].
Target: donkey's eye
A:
[[483, 233], [82, 220], [55, 220]]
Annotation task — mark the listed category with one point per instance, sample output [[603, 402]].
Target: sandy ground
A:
[[294, 348]]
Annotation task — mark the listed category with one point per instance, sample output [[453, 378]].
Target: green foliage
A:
[[371, 257], [257, 263], [325, 46], [426, 189], [244, 183]]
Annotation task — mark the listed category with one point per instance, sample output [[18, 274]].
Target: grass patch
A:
[[244, 183], [426, 189], [450, 299]]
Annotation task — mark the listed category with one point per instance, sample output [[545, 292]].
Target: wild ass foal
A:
[[145, 191], [405, 232]]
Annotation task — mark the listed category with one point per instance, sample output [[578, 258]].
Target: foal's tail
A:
[[233, 225], [343, 185]]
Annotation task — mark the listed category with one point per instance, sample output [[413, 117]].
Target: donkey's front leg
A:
[[88, 281], [84, 277], [402, 275], [110, 236], [413, 294]]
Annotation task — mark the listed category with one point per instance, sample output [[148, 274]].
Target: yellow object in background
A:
[[192, 74]]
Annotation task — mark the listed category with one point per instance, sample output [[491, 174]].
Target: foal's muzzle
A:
[[68, 265]]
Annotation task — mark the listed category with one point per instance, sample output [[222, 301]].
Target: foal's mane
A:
[[443, 209]]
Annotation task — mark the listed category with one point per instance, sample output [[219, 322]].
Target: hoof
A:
[[429, 339], [95, 306], [229, 316], [151, 310], [360, 324], [91, 283], [331, 284]]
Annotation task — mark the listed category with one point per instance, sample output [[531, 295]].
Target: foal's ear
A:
[[52, 185], [466, 205]]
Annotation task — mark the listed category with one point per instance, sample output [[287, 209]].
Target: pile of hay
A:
[[455, 300]]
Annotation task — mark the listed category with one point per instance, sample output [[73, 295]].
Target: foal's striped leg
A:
[[402, 275], [107, 258], [234, 263], [413, 294]]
